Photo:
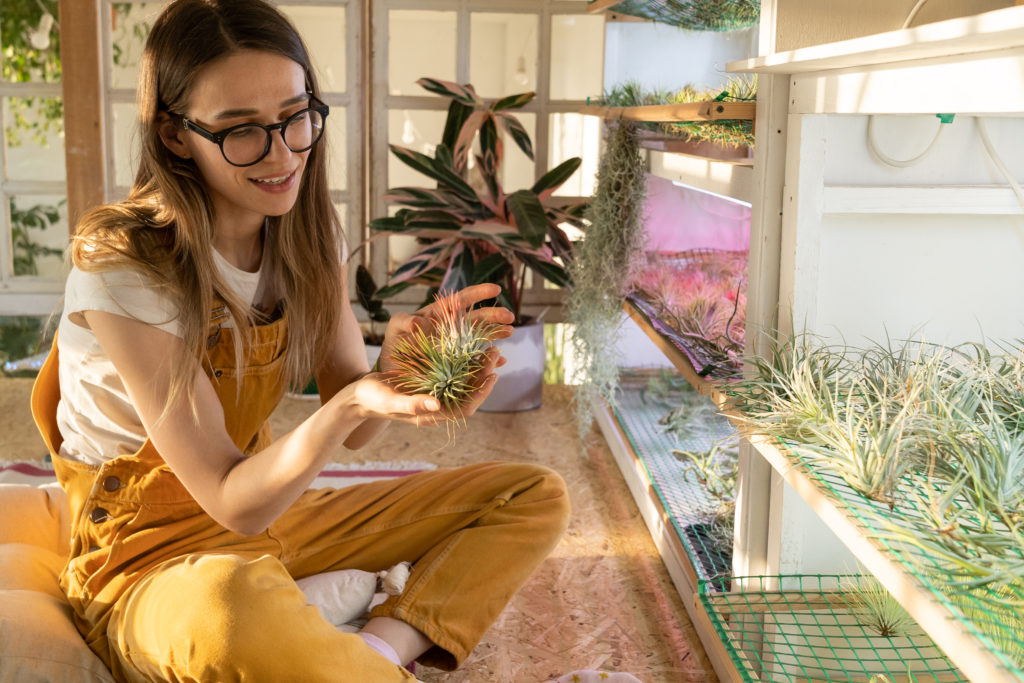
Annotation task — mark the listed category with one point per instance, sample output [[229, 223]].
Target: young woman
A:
[[191, 306]]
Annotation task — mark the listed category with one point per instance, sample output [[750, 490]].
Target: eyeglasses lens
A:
[[248, 144]]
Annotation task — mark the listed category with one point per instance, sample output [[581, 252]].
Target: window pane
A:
[[30, 49], [336, 135], [33, 138], [323, 30], [418, 130], [129, 27], [420, 43], [517, 169], [39, 234], [577, 56], [503, 53], [575, 135], [126, 149]]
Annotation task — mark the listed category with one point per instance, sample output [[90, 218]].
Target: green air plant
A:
[[726, 132], [604, 264], [446, 359], [875, 607], [695, 15]]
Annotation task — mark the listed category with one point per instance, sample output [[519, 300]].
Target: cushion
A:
[[38, 639]]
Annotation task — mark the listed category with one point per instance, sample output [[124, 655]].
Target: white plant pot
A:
[[521, 380]]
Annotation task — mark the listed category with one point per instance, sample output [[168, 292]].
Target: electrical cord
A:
[[1014, 185], [913, 13], [898, 163]]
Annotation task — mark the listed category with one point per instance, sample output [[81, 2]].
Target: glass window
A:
[[29, 42], [420, 43], [33, 138], [518, 170], [503, 53], [577, 56], [418, 130], [323, 30], [130, 23], [39, 234], [125, 138], [575, 135]]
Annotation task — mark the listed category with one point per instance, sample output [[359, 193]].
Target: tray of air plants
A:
[[921, 446], [697, 301], [689, 452], [694, 15], [811, 628], [655, 113]]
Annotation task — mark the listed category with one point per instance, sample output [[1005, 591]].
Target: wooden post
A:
[[83, 106]]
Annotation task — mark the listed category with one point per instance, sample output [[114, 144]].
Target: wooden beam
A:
[[83, 108], [601, 5], [709, 110]]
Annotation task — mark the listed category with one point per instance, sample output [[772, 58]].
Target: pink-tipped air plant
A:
[[444, 360]]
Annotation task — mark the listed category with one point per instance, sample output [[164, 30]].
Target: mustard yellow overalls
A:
[[160, 591]]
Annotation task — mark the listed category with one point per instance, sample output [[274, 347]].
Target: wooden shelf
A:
[[703, 386], [961, 647], [729, 178], [991, 31], [601, 5], [709, 110]]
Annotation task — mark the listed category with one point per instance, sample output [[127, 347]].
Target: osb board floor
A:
[[602, 600]]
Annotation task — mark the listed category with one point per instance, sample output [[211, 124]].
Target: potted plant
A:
[[471, 231]]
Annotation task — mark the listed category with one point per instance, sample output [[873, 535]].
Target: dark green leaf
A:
[[465, 94], [531, 219], [519, 135], [460, 270], [457, 115], [513, 101], [491, 268], [551, 271], [556, 176]]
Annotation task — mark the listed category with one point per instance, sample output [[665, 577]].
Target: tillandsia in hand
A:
[[444, 360]]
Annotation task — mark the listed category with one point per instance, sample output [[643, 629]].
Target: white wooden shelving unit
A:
[[847, 247]]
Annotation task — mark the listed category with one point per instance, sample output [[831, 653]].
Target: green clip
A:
[[721, 96], [945, 118]]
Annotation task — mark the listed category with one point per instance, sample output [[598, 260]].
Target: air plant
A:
[[696, 15], [875, 608], [445, 359]]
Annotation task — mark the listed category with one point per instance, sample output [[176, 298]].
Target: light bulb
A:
[[521, 77], [40, 38], [408, 132]]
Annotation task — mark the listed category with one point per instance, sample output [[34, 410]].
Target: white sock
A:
[[380, 646]]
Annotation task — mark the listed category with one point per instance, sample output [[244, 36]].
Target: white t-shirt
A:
[[95, 415]]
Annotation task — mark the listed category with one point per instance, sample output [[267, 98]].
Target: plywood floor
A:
[[602, 600]]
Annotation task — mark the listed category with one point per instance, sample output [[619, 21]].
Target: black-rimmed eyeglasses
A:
[[248, 143]]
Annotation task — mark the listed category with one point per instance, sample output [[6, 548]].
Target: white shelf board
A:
[[964, 650], [719, 177], [665, 539], [996, 30], [938, 199]]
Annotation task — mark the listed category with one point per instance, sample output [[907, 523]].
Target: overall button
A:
[[111, 484], [99, 515]]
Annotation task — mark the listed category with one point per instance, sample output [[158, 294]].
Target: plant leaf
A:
[[554, 178], [464, 143], [513, 101], [491, 147], [465, 94], [531, 219], [515, 129], [460, 269], [551, 271], [491, 268], [427, 259], [417, 197], [457, 115]]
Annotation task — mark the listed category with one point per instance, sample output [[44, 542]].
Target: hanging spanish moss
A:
[[727, 132], [603, 267], [695, 15]]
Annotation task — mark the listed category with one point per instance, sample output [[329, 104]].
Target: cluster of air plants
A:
[[932, 436], [603, 267], [695, 15], [446, 358], [727, 132], [702, 299]]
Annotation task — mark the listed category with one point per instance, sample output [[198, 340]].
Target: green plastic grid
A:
[[695, 15], [997, 625], [803, 628], [683, 498]]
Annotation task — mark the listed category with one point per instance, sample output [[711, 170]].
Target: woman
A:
[[191, 306]]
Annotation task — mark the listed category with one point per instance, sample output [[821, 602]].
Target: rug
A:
[[335, 475]]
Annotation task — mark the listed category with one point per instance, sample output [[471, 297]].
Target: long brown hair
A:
[[165, 227]]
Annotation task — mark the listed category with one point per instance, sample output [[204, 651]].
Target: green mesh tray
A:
[[684, 499], [984, 613], [808, 631], [696, 15]]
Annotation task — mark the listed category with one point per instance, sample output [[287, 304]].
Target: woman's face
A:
[[247, 87]]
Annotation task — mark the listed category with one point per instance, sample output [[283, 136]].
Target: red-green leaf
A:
[[467, 134], [553, 179], [531, 219], [427, 259], [513, 101], [463, 93], [515, 129], [551, 271], [460, 269]]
